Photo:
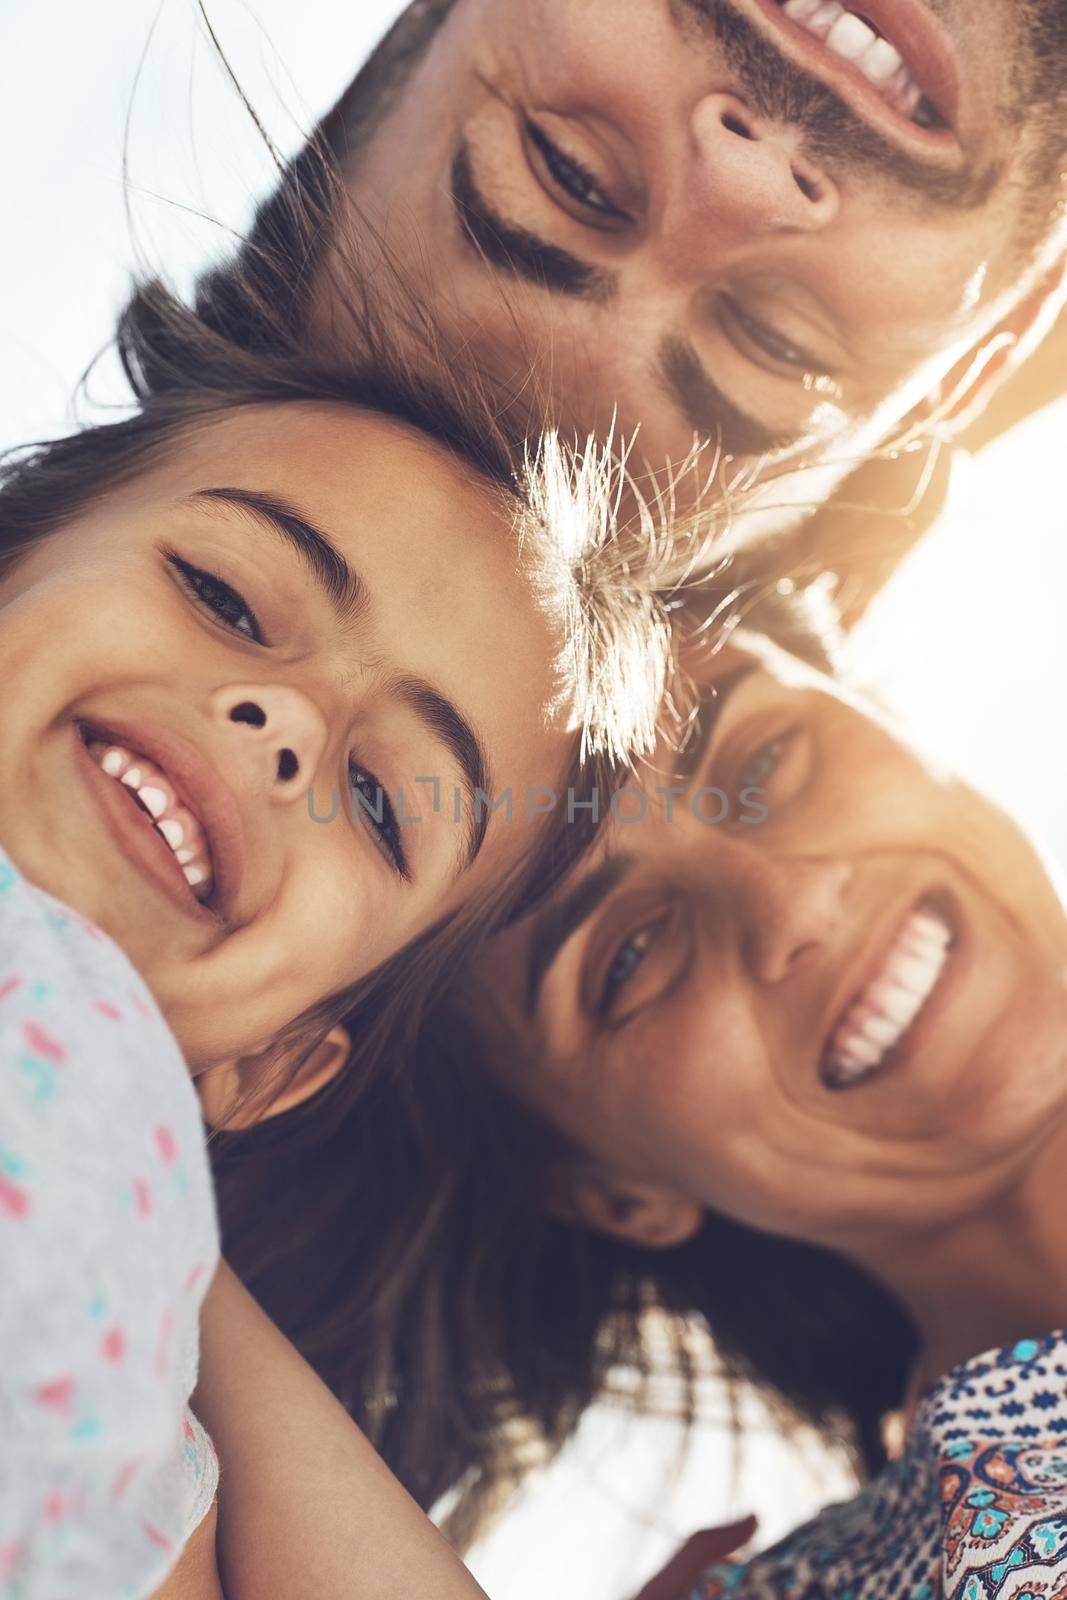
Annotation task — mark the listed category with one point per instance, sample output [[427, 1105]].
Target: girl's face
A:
[[231, 686], [837, 1012]]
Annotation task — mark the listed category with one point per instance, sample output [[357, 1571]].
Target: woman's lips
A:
[[186, 794], [877, 1024]]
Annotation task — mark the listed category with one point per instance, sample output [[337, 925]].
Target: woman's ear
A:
[[641, 1213], [235, 1094]]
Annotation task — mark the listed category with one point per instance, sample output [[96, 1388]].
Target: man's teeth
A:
[[854, 40], [879, 1018], [174, 822]]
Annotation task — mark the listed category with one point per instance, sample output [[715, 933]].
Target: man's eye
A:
[[762, 764], [747, 330], [371, 801], [225, 603], [574, 179]]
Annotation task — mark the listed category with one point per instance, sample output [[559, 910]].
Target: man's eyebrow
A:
[[450, 727], [516, 250], [709, 411], [344, 588], [711, 706], [561, 920]]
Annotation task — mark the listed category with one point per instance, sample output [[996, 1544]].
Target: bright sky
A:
[[969, 639]]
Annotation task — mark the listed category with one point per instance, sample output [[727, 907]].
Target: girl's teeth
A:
[[114, 762], [183, 857], [132, 778], [172, 831], [193, 876]]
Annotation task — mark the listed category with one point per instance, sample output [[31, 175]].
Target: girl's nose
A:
[[793, 910], [750, 176], [277, 736]]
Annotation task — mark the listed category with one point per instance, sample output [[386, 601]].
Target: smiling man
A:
[[787, 229]]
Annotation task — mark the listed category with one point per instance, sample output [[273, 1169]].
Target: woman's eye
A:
[[763, 763], [370, 801], [574, 179], [625, 962], [225, 603]]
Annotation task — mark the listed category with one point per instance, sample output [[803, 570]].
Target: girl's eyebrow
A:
[[344, 588], [349, 596]]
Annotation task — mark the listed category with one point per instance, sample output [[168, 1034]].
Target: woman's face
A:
[[839, 1011], [299, 611]]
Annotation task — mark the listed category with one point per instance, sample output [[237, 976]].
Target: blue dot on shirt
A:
[[1025, 1350]]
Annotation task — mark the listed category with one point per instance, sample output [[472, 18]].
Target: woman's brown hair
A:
[[407, 1249]]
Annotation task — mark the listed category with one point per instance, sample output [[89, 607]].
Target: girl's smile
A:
[[293, 601]]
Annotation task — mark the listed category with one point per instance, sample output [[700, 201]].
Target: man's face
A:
[[710, 215]]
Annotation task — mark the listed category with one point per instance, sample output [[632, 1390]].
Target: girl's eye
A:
[[225, 603], [372, 801], [574, 179]]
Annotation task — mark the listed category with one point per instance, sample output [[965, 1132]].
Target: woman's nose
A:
[[277, 736], [750, 177], [793, 910]]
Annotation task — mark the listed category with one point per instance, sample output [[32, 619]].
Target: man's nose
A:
[[791, 910], [749, 177], [275, 736]]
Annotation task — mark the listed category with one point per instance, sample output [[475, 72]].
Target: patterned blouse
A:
[[974, 1509]]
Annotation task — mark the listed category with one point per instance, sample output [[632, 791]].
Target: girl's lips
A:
[[198, 788]]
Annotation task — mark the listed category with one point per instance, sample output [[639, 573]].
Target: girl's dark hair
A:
[[406, 1249], [184, 372]]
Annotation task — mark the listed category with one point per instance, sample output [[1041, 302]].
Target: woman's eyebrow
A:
[[560, 921], [513, 249], [713, 698], [344, 588]]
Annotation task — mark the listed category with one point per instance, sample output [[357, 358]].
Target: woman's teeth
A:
[[174, 822], [854, 40], [879, 1018]]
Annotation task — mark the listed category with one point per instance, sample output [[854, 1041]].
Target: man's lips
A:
[[928, 53], [198, 788]]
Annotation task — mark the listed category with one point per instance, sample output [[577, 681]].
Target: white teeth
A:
[[154, 800], [881, 62], [802, 10], [172, 831], [850, 38], [113, 762], [184, 857], [880, 1017], [193, 876], [132, 778]]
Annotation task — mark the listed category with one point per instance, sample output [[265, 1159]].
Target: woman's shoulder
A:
[[975, 1507]]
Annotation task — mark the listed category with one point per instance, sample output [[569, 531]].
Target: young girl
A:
[[217, 616]]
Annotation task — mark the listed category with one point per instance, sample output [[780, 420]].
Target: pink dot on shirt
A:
[[123, 1478], [9, 986], [106, 1009], [43, 1043], [156, 1537], [142, 1197], [56, 1394], [113, 1345], [13, 1199], [166, 1144]]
